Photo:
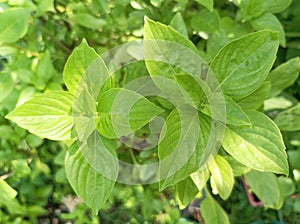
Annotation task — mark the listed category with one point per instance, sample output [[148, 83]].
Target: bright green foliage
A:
[[91, 186], [210, 71], [284, 75], [243, 65], [13, 24], [260, 144], [212, 212], [48, 115], [221, 177]]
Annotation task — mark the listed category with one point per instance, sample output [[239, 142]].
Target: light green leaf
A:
[[234, 113], [200, 178], [243, 65], [157, 31], [209, 4], [45, 68], [88, 21], [92, 187], [252, 8], [266, 188], [256, 99], [13, 24], [222, 179], [186, 191], [287, 186], [178, 24], [184, 145], [289, 120], [193, 89], [238, 169], [269, 21], [6, 85], [78, 63], [47, 115], [7, 192], [275, 6], [45, 6], [258, 146], [212, 212], [122, 111], [199, 23], [284, 76]]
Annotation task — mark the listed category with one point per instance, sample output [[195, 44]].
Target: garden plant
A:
[[132, 111]]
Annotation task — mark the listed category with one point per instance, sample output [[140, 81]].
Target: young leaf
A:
[[222, 179], [122, 111], [7, 192], [266, 188], [92, 187], [178, 24], [252, 8], [158, 38], [284, 76], [193, 89], [77, 64], [13, 24], [209, 4], [256, 99], [6, 85], [199, 23], [243, 64], [289, 120], [47, 115], [258, 146], [186, 191], [88, 21], [200, 178], [45, 68], [238, 169], [269, 21], [275, 6], [212, 212], [234, 113]]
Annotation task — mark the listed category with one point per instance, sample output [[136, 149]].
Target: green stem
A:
[[132, 156], [280, 216]]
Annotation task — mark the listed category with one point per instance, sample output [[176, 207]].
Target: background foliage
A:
[[37, 37]]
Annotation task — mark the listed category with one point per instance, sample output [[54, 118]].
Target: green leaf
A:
[[78, 64], [234, 113], [186, 191], [284, 76], [258, 146], [184, 145], [122, 111], [209, 4], [199, 23], [178, 24], [200, 178], [212, 212], [92, 187], [256, 99], [289, 120], [222, 179], [88, 21], [238, 169], [7, 192], [13, 24], [243, 64], [275, 6], [45, 6], [157, 31], [6, 85], [266, 188], [193, 89], [47, 115], [252, 8], [269, 21], [45, 68]]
